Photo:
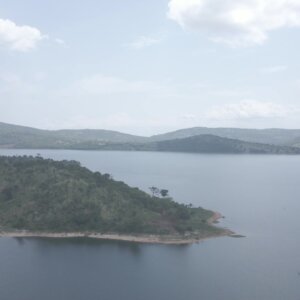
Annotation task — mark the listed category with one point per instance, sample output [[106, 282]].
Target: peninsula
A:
[[46, 198]]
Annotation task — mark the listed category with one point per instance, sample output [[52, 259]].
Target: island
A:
[[47, 198]]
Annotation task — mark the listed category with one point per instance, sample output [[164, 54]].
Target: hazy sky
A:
[[146, 67]]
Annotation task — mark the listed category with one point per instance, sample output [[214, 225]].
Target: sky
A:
[[148, 67]]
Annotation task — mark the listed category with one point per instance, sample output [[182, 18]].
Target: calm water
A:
[[259, 195]]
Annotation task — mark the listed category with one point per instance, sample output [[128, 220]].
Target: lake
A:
[[259, 196]]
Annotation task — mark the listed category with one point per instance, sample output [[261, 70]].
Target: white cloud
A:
[[102, 84], [249, 109], [110, 121], [274, 69], [12, 84], [19, 38], [189, 117], [236, 22], [228, 92], [60, 42], [144, 42]]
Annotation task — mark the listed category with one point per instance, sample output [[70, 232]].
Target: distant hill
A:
[[99, 135], [199, 140], [216, 144], [205, 144], [265, 136], [295, 142], [61, 196], [15, 136]]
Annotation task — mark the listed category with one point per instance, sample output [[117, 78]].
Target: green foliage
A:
[[45, 195], [164, 193], [154, 191]]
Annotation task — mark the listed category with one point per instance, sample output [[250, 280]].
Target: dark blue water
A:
[[259, 195]]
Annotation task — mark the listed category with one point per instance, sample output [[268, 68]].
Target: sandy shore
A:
[[150, 239]]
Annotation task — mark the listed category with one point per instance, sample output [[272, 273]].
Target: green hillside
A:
[[61, 196]]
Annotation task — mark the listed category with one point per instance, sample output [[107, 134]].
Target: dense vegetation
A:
[[39, 194]]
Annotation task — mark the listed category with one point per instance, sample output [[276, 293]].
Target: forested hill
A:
[[216, 144], [39, 194]]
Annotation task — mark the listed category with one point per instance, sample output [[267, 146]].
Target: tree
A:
[[107, 176], [155, 191], [164, 193]]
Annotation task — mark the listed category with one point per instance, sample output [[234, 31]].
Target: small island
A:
[[46, 198]]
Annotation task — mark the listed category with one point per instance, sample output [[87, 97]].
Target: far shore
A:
[[138, 238]]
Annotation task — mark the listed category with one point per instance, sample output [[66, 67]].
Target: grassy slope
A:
[[46, 195]]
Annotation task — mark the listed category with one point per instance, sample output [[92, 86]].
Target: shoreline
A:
[[215, 218], [146, 239], [143, 239]]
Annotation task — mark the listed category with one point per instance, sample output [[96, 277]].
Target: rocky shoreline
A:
[[149, 239]]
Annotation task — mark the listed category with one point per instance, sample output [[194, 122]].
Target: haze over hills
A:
[[206, 143], [273, 136], [15, 136], [198, 140], [203, 143]]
